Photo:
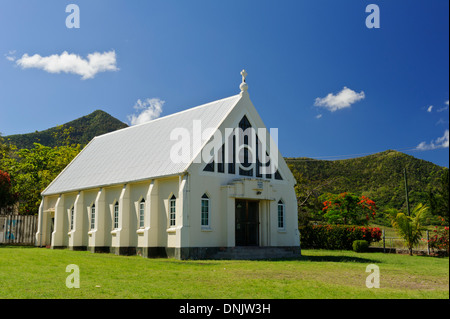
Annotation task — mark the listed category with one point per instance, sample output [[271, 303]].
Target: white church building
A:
[[207, 182]]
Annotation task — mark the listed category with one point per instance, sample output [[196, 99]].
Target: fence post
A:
[[428, 242], [384, 241]]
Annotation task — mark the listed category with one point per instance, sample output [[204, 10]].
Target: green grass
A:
[[40, 273]]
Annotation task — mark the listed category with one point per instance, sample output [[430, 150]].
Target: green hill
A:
[[379, 176], [81, 131]]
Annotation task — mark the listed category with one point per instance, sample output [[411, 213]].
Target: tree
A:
[[7, 197], [307, 194], [34, 170], [30, 171], [444, 196], [347, 208], [410, 227], [438, 198], [6, 151]]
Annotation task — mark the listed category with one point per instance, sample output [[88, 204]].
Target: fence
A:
[[397, 244], [18, 229]]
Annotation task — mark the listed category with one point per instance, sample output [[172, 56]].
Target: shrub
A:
[[440, 239], [336, 236], [360, 246]]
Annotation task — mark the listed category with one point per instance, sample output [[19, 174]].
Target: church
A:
[[205, 183]]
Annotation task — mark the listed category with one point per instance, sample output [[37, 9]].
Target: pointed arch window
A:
[[93, 216], [141, 213], [72, 213], [281, 215], [116, 215], [243, 149], [221, 160], [205, 211], [172, 210], [209, 167], [231, 150], [278, 176], [244, 124]]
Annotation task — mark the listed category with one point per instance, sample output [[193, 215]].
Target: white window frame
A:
[[172, 211]]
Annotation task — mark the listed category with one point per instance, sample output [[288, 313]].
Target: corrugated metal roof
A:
[[136, 153]]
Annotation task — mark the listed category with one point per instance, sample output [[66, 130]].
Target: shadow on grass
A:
[[336, 259], [339, 259]]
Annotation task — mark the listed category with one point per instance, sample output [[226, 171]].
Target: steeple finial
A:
[[243, 86]]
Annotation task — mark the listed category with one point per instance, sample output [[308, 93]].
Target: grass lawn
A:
[[41, 273]]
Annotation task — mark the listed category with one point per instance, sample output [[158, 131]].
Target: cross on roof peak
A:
[[243, 86], [244, 75]]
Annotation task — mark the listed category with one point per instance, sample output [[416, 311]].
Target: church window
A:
[[281, 211], [172, 210], [205, 211], [93, 216], [116, 215], [141, 213]]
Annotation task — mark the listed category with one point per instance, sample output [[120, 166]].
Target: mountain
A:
[[379, 176], [80, 131]]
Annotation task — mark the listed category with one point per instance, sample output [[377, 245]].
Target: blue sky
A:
[[332, 86]]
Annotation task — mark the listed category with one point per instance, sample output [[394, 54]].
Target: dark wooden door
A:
[[247, 223]]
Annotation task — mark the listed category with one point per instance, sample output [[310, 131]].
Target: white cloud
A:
[[444, 108], [430, 108], [71, 63], [148, 110], [11, 56], [441, 142], [343, 99], [319, 116]]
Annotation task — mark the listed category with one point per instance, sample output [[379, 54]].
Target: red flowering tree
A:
[[440, 239], [347, 208], [7, 197], [368, 207]]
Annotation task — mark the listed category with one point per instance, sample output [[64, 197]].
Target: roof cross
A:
[[243, 86], [244, 75]]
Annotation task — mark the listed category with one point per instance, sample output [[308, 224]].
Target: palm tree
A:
[[410, 227]]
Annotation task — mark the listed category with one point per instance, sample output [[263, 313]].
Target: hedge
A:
[[336, 236]]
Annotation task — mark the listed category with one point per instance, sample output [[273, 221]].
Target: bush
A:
[[336, 236], [440, 239], [360, 246]]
